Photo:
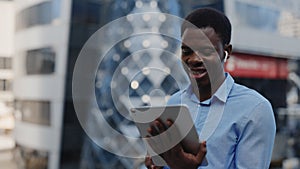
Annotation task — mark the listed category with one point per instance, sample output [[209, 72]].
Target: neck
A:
[[204, 92]]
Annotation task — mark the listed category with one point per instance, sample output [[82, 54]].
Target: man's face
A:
[[202, 51]]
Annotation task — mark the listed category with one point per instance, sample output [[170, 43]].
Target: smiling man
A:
[[236, 123]]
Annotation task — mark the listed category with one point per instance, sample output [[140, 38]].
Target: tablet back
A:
[[182, 131]]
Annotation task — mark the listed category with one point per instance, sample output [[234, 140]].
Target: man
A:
[[240, 132]]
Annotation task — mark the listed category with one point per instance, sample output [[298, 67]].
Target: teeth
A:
[[197, 72]]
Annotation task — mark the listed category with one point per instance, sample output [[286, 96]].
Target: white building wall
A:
[[6, 52], [7, 28], [260, 39], [39, 87]]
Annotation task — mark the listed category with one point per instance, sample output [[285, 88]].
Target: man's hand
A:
[[149, 163], [177, 157]]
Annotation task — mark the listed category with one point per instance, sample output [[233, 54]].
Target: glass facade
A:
[[86, 18], [31, 158], [40, 14], [258, 26], [5, 63], [40, 61], [36, 112], [278, 17], [257, 17], [5, 85], [147, 87]]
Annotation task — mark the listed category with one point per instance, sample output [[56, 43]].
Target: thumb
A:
[[201, 152]]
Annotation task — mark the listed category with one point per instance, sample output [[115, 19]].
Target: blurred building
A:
[[50, 35], [266, 58], [6, 72], [7, 27], [41, 43]]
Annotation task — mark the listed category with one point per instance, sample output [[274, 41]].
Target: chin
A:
[[204, 81]]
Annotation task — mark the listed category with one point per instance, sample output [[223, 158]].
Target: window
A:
[[5, 63], [40, 14], [32, 158], [5, 85], [37, 112], [257, 17], [40, 61]]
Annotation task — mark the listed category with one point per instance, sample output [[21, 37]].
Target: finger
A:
[[175, 136], [160, 125], [202, 152], [169, 122], [154, 167], [153, 145], [158, 129], [164, 135], [152, 130], [148, 162], [203, 147]]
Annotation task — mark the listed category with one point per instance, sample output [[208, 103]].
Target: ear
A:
[[228, 48], [226, 56]]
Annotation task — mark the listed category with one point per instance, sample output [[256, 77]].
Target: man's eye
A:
[[207, 52], [187, 51]]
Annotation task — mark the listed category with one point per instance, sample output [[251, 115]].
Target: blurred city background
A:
[[40, 41]]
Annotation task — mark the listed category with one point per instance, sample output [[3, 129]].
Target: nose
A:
[[196, 57], [194, 60]]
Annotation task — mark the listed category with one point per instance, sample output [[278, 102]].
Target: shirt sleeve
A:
[[254, 147]]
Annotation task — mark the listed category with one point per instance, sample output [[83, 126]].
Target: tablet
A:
[[180, 115]]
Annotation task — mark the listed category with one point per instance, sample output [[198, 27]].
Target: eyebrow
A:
[[183, 46]]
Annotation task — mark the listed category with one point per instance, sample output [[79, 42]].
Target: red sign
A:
[[255, 66]]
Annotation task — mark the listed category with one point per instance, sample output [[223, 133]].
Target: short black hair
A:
[[209, 17]]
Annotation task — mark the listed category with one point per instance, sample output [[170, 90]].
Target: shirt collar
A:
[[221, 94], [224, 90]]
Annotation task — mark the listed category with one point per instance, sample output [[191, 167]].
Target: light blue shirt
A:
[[237, 123]]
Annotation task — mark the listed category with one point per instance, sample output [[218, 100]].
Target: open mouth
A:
[[196, 69], [197, 73]]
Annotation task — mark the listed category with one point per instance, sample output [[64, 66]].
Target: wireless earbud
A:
[[226, 56]]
